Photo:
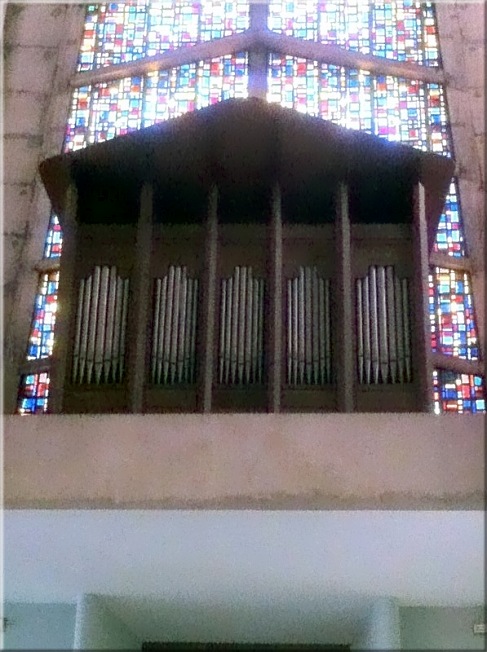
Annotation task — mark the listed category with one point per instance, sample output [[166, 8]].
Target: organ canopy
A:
[[245, 257]]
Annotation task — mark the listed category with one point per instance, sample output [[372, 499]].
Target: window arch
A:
[[369, 66]]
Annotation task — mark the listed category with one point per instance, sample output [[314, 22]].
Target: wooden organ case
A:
[[244, 258]]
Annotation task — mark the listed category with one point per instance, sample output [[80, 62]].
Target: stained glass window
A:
[[459, 393], [404, 31], [451, 314], [33, 394], [54, 240], [119, 32], [42, 332], [407, 111], [110, 109]]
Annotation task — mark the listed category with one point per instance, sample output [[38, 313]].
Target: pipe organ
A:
[[173, 358], [383, 328], [244, 257], [101, 325], [241, 349], [308, 329]]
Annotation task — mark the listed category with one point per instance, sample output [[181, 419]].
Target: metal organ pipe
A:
[[173, 343], [383, 338], [98, 352], [308, 325]]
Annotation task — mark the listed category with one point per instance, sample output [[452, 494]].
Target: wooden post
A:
[[140, 303], [67, 294], [206, 346], [421, 349], [275, 315], [344, 359]]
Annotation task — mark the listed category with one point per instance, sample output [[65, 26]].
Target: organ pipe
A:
[[241, 328], [308, 329], [99, 345], [383, 338], [174, 332]]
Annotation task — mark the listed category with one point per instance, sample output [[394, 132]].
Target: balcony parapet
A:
[[245, 461]]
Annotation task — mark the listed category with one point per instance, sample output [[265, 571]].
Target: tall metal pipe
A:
[[391, 320], [248, 327], [326, 283], [301, 341], [366, 313], [101, 324], [84, 329], [374, 325], [123, 329], [315, 335], [383, 336]]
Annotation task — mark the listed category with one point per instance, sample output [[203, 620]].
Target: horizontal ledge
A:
[[449, 262], [48, 265], [260, 39], [35, 366], [458, 365]]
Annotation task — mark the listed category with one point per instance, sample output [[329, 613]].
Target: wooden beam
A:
[[449, 262], [421, 329], [206, 346], [67, 293], [275, 314], [344, 359], [458, 365], [140, 303]]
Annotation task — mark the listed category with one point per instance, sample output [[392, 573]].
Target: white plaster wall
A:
[[441, 628], [98, 629], [37, 626]]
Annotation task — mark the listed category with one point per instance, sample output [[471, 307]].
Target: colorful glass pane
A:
[[404, 31], [119, 32], [452, 320], [458, 393], [33, 393], [41, 338], [54, 240], [106, 110]]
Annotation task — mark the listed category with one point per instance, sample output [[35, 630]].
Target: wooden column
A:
[[140, 303], [67, 295], [274, 302], [206, 347], [344, 359], [421, 335]]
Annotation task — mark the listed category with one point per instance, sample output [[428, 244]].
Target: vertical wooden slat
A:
[[275, 313], [360, 329], [399, 328], [77, 338], [140, 303], [66, 290], [209, 304], [345, 348]]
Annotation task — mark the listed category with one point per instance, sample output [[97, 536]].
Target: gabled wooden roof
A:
[[245, 143]]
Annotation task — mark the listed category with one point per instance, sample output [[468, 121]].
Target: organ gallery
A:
[[245, 257]]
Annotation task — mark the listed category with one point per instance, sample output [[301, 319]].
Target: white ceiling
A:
[[168, 574]]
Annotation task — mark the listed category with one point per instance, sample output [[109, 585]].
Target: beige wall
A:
[[314, 461]]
